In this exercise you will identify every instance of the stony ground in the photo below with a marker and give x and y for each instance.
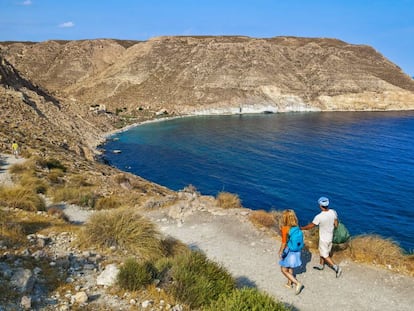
(250, 254)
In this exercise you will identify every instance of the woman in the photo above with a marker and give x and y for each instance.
(289, 258)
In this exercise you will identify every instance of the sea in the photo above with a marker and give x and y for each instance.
(362, 161)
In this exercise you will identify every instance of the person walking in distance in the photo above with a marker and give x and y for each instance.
(289, 258)
(15, 149)
(327, 220)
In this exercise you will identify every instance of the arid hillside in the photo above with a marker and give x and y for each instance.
(215, 74)
(43, 122)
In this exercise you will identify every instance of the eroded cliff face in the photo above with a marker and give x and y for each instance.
(216, 74)
(47, 88)
(37, 120)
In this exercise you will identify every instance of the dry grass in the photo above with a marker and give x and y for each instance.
(228, 200)
(78, 180)
(125, 230)
(262, 218)
(11, 232)
(21, 197)
(83, 196)
(376, 250)
(30, 181)
(19, 168)
(57, 213)
(56, 175)
(110, 202)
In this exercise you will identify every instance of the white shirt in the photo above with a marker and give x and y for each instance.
(325, 220)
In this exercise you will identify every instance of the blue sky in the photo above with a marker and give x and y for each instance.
(386, 25)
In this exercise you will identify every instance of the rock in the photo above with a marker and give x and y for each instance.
(108, 276)
(5, 270)
(146, 303)
(26, 302)
(23, 280)
(81, 297)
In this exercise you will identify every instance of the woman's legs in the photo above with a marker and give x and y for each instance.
(288, 273)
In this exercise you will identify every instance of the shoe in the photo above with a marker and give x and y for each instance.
(288, 285)
(299, 288)
(338, 272)
(320, 267)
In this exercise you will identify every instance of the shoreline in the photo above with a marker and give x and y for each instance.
(167, 118)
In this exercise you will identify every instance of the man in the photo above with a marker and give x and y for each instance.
(327, 220)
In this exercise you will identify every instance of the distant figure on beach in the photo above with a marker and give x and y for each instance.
(327, 220)
(15, 149)
(289, 258)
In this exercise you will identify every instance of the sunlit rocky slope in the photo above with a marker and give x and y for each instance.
(48, 88)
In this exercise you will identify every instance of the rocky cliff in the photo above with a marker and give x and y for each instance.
(216, 74)
(48, 88)
(34, 118)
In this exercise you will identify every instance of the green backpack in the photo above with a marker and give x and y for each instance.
(340, 234)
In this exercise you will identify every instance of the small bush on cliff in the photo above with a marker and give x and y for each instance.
(197, 281)
(246, 299)
(228, 200)
(134, 275)
(377, 250)
(263, 218)
(124, 229)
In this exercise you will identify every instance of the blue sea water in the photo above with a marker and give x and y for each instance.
(362, 161)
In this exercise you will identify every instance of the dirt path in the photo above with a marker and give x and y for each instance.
(7, 160)
(250, 255)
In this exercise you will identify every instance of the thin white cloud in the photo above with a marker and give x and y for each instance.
(67, 25)
(27, 2)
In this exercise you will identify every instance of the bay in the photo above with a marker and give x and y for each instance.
(362, 161)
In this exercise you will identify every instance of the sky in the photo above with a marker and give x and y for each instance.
(386, 25)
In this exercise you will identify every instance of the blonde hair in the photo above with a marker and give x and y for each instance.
(288, 218)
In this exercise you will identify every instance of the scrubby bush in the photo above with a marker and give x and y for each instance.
(78, 180)
(134, 275)
(19, 168)
(172, 247)
(246, 299)
(75, 195)
(263, 218)
(34, 183)
(124, 229)
(11, 233)
(55, 176)
(110, 202)
(377, 250)
(57, 213)
(51, 164)
(228, 200)
(21, 197)
(197, 281)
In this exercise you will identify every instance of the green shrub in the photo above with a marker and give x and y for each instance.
(246, 299)
(134, 275)
(197, 281)
(124, 229)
